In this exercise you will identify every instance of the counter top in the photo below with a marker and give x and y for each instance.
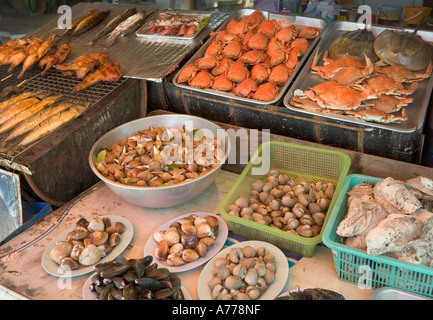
(23, 277)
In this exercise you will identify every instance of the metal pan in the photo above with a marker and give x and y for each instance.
(140, 58)
(416, 110)
(197, 14)
(299, 21)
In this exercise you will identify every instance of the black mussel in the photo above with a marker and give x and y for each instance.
(146, 295)
(107, 281)
(130, 292)
(106, 265)
(179, 294)
(158, 274)
(166, 283)
(175, 280)
(149, 283)
(97, 279)
(164, 293)
(117, 294)
(140, 268)
(130, 276)
(98, 289)
(105, 292)
(115, 271)
(119, 282)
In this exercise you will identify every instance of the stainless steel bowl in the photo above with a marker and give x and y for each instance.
(163, 196)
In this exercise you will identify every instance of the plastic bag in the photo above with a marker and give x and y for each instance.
(324, 9)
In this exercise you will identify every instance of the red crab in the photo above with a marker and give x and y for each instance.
(202, 80)
(245, 88)
(266, 92)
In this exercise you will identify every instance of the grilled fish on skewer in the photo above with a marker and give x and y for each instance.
(90, 22)
(109, 71)
(84, 64)
(13, 109)
(126, 27)
(114, 23)
(16, 98)
(21, 116)
(34, 120)
(51, 60)
(49, 125)
(69, 31)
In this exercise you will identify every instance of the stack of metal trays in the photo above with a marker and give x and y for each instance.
(416, 111)
(149, 58)
(299, 21)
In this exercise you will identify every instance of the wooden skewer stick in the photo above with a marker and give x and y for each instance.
(22, 82)
(6, 77)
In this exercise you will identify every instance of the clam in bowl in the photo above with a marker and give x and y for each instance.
(182, 159)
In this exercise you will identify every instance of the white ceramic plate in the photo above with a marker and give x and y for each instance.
(89, 295)
(220, 240)
(272, 291)
(54, 269)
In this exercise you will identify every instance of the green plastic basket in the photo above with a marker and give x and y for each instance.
(300, 163)
(357, 267)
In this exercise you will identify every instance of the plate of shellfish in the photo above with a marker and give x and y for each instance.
(77, 249)
(186, 242)
(248, 270)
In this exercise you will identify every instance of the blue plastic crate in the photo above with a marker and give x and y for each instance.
(356, 266)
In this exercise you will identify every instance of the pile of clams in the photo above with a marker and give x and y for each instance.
(135, 279)
(160, 156)
(243, 274)
(87, 243)
(186, 239)
(282, 203)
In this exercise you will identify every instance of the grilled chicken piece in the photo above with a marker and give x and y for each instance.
(51, 60)
(393, 233)
(396, 194)
(84, 64)
(109, 71)
(21, 55)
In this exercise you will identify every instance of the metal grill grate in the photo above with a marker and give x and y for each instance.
(54, 83)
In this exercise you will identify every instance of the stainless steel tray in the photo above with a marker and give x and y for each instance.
(149, 59)
(141, 32)
(299, 21)
(395, 294)
(416, 111)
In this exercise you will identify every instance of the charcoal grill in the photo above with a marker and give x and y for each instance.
(44, 164)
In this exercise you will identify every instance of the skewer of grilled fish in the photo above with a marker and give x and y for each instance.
(69, 31)
(17, 107)
(131, 24)
(49, 125)
(26, 113)
(114, 23)
(34, 120)
(90, 22)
